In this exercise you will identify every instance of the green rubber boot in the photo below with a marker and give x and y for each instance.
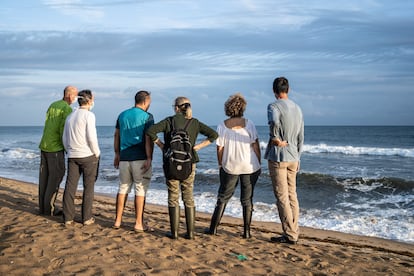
(190, 221)
(174, 213)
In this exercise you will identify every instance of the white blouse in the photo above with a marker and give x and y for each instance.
(238, 154)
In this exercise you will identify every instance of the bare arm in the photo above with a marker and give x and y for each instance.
(159, 143)
(220, 155)
(149, 150)
(279, 143)
(116, 148)
(201, 145)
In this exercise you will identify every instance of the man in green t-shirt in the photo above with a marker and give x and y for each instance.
(52, 162)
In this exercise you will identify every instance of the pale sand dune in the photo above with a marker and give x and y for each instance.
(36, 245)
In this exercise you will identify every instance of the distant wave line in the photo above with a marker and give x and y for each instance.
(351, 150)
(16, 153)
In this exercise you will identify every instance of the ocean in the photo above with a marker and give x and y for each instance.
(353, 179)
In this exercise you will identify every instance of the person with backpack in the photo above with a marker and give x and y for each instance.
(238, 155)
(179, 159)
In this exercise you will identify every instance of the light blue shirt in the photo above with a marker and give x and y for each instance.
(286, 123)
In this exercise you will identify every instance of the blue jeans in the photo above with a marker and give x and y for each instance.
(228, 183)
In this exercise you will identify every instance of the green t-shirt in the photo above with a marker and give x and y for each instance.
(54, 124)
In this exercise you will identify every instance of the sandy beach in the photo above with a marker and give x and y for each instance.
(38, 245)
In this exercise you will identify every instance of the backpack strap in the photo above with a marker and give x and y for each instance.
(187, 123)
(171, 121)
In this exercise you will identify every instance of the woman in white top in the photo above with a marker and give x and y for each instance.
(238, 155)
(81, 144)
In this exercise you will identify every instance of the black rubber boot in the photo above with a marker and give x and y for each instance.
(190, 219)
(247, 219)
(216, 218)
(174, 213)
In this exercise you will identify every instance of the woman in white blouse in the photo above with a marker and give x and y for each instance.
(238, 155)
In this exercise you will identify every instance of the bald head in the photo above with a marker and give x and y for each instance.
(69, 94)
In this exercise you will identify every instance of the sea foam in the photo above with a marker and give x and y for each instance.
(352, 150)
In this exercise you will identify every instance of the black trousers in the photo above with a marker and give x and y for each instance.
(228, 184)
(51, 173)
(88, 168)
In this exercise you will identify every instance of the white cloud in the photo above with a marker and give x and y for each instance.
(332, 52)
(76, 9)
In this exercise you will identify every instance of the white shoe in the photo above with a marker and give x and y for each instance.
(89, 221)
(69, 223)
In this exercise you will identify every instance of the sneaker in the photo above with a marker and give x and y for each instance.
(69, 222)
(89, 221)
(282, 239)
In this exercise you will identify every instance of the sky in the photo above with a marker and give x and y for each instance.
(348, 62)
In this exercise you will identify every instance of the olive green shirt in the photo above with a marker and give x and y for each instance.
(193, 129)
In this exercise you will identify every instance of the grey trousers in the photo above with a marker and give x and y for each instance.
(51, 172)
(88, 168)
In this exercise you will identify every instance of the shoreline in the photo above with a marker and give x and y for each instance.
(42, 245)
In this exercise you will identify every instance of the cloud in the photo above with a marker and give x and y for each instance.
(76, 9)
(151, 16)
(338, 58)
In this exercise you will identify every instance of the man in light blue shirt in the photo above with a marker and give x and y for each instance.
(286, 131)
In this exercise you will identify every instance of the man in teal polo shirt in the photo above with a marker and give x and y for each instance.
(52, 162)
(133, 157)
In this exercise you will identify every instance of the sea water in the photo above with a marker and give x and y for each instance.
(353, 179)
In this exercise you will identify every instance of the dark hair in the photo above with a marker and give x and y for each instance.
(84, 97)
(235, 105)
(141, 96)
(280, 85)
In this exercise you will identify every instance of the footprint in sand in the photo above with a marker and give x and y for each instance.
(56, 263)
(120, 258)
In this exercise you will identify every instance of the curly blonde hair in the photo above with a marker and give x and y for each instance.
(235, 105)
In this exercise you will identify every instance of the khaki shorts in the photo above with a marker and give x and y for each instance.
(131, 173)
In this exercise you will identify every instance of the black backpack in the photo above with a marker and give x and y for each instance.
(178, 156)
